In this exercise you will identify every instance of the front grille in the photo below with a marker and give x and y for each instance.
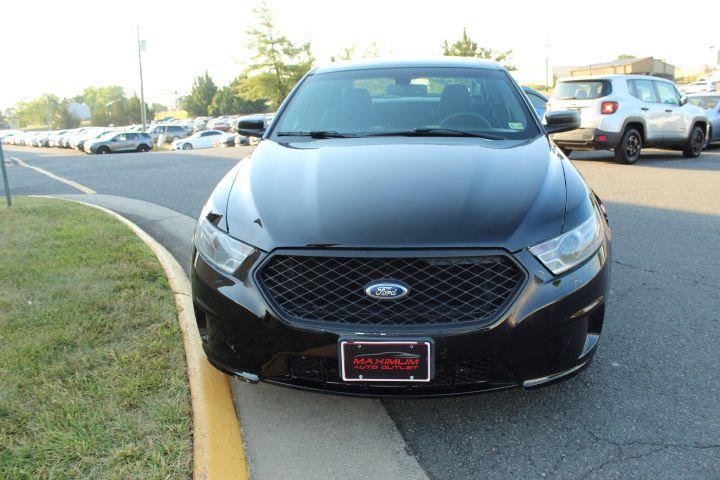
(308, 370)
(446, 290)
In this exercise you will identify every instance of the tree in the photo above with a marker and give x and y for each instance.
(348, 53)
(108, 105)
(3, 122)
(38, 112)
(467, 47)
(278, 63)
(203, 91)
(156, 108)
(372, 51)
(229, 101)
(64, 118)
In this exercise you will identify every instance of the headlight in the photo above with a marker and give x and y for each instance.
(219, 248)
(572, 248)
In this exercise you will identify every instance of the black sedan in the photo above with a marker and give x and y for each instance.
(403, 228)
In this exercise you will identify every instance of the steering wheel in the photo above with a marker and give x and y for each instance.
(446, 121)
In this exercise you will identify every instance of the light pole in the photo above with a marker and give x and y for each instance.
(547, 64)
(6, 183)
(141, 47)
(47, 111)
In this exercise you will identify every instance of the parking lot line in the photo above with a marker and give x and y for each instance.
(66, 181)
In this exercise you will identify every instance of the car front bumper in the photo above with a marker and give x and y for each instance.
(587, 139)
(549, 333)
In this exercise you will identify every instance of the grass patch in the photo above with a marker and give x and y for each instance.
(92, 368)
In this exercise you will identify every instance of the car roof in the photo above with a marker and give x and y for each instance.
(612, 77)
(457, 62)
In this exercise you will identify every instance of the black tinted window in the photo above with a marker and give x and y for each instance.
(537, 102)
(383, 101)
(706, 103)
(131, 136)
(582, 89)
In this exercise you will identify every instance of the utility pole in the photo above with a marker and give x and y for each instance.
(6, 184)
(141, 47)
(547, 64)
(47, 111)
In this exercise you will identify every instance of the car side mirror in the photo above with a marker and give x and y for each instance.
(683, 99)
(251, 127)
(561, 121)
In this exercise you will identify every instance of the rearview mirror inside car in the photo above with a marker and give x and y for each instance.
(561, 121)
(251, 127)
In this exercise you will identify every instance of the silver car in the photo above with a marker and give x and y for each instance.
(124, 141)
(171, 132)
(626, 113)
(710, 102)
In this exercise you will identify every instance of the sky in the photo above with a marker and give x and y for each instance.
(62, 47)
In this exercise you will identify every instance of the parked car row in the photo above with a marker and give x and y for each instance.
(86, 139)
(131, 138)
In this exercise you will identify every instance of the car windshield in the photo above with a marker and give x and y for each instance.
(580, 90)
(707, 103)
(408, 101)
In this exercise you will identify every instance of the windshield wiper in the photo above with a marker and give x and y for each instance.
(317, 134)
(435, 132)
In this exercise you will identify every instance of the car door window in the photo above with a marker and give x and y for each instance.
(536, 101)
(131, 136)
(119, 138)
(643, 90)
(667, 94)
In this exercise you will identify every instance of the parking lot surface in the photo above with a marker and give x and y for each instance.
(649, 405)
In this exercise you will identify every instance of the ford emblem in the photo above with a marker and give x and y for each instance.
(387, 290)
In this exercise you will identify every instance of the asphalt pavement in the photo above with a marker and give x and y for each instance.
(649, 405)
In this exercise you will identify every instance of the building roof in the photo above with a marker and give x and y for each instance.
(616, 63)
(628, 76)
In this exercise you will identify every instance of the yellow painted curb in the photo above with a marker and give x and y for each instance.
(218, 449)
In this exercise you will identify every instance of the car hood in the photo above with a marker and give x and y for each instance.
(398, 192)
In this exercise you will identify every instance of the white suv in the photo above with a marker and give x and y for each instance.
(625, 113)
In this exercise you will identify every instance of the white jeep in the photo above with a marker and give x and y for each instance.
(626, 113)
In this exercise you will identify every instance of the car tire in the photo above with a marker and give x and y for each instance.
(175, 139)
(630, 147)
(187, 146)
(103, 150)
(143, 148)
(695, 144)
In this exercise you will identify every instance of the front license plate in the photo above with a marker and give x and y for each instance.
(381, 361)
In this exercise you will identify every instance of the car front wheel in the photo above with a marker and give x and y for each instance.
(630, 147)
(103, 150)
(695, 144)
(187, 146)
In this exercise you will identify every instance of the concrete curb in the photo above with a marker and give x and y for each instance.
(218, 449)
